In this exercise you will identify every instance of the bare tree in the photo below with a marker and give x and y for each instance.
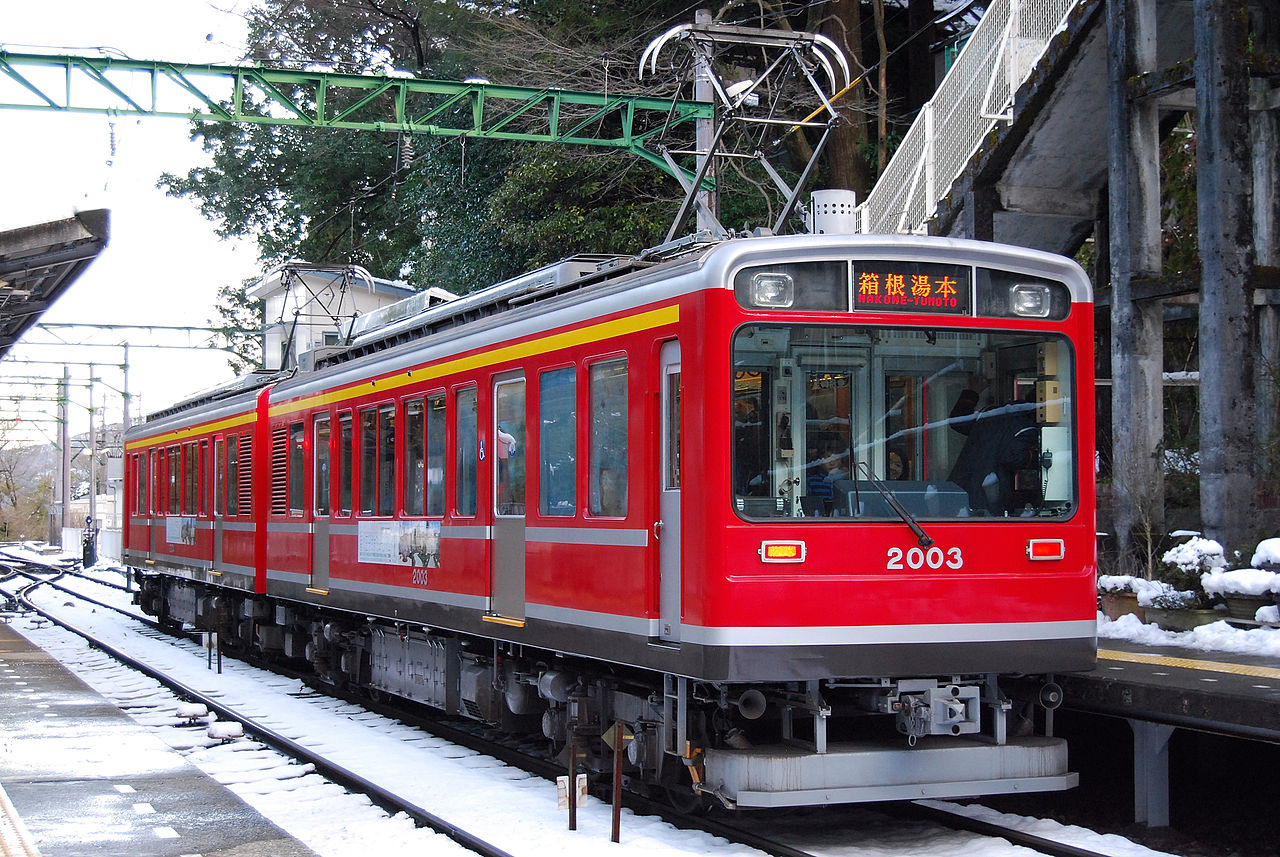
(26, 483)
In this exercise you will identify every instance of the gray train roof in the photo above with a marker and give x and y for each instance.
(584, 287)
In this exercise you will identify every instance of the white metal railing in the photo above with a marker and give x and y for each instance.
(976, 93)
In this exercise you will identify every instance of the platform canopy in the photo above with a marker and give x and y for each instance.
(38, 263)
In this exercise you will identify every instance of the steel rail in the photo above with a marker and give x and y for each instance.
(1050, 847)
(339, 774)
(529, 763)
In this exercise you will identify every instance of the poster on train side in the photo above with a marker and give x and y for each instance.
(408, 543)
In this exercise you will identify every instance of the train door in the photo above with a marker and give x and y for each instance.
(153, 531)
(507, 441)
(219, 497)
(667, 530)
(321, 485)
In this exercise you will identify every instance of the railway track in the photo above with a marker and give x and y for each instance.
(772, 833)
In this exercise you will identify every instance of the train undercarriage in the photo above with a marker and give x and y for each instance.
(762, 745)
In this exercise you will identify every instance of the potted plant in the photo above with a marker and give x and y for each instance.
(1118, 596)
(1181, 602)
(1244, 590)
(1181, 609)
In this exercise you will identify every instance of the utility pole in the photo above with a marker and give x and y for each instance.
(93, 460)
(704, 134)
(124, 394)
(64, 421)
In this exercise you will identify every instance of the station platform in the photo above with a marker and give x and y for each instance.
(79, 777)
(1229, 694)
(1159, 690)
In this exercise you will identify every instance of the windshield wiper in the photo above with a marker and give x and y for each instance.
(922, 538)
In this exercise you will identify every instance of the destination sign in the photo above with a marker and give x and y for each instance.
(912, 287)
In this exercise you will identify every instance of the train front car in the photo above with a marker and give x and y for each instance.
(788, 507)
(893, 507)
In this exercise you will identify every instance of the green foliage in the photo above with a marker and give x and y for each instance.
(551, 206)
(453, 212)
(444, 202)
(1178, 204)
(240, 327)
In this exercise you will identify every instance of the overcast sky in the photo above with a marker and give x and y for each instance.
(163, 265)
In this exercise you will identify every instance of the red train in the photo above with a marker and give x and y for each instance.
(797, 571)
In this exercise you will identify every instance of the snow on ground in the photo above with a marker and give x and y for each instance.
(1217, 637)
(511, 809)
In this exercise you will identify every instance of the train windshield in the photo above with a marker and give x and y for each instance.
(951, 423)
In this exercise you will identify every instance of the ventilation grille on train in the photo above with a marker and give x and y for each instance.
(244, 487)
(280, 470)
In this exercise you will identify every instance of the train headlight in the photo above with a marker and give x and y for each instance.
(1032, 300)
(773, 290)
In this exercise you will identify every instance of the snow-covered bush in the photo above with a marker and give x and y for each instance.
(1197, 555)
(1182, 567)
(1240, 581)
(1267, 555)
(1177, 599)
(1146, 590)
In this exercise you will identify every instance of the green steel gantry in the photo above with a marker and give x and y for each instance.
(325, 99)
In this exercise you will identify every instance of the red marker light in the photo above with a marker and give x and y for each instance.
(1046, 549)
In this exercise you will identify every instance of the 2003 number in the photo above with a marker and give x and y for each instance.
(917, 558)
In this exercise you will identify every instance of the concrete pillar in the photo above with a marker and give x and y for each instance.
(1151, 772)
(977, 217)
(1228, 326)
(1264, 127)
(1137, 335)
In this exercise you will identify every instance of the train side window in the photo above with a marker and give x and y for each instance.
(508, 448)
(297, 468)
(203, 473)
(368, 460)
(157, 460)
(607, 479)
(345, 455)
(321, 469)
(558, 442)
(435, 454)
(377, 460)
(465, 453)
(414, 457)
(386, 459)
(219, 476)
(233, 475)
(194, 485)
(175, 476)
(143, 480)
(188, 478)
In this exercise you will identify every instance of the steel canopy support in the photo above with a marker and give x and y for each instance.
(323, 99)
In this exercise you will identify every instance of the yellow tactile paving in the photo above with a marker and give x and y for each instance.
(15, 841)
(1189, 664)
